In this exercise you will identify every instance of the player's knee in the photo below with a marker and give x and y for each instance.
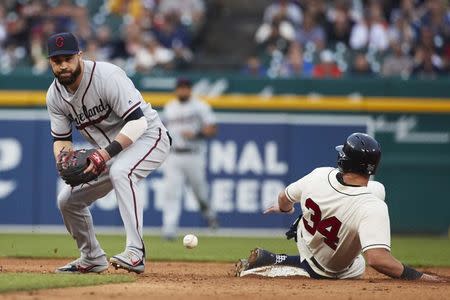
(118, 172)
(63, 200)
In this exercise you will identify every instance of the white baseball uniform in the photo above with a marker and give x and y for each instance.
(187, 162)
(339, 221)
(103, 100)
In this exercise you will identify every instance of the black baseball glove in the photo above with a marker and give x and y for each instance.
(72, 164)
(292, 232)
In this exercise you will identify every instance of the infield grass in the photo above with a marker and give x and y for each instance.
(416, 251)
(33, 281)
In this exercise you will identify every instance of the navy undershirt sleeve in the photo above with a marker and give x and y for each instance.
(135, 115)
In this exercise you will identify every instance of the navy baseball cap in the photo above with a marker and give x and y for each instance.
(184, 82)
(64, 43)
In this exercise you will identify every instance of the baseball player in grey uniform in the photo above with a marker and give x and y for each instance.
(104, 106)
(344, 214)
(190, 122)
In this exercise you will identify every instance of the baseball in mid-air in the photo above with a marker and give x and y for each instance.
(190, 241)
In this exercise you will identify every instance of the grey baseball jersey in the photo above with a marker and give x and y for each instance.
(103, 100)
(338, 222)
(105, 97)
(187, 163)
(189, 116)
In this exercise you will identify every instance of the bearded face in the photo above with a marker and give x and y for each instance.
(183, 93)
(66, 68)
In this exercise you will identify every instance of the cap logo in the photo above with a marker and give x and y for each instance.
(59, 41)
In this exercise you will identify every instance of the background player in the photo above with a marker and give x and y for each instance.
(190, 122)
(103, 104)
(341, 218)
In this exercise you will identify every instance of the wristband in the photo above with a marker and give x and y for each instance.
(114, 148)
(410, 273)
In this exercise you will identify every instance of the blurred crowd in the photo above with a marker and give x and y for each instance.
(302, 38)
(138, 35)
(329, 39)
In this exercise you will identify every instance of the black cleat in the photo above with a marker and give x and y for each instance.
(240, 266)
(258, 258)
(261, 258)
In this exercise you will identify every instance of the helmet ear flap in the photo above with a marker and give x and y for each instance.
(340, 164)
(344, 164)
(341, 158)
(371, 169)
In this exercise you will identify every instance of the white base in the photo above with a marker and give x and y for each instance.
(275, 271)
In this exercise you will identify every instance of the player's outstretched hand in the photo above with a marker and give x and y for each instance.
(276, 209)
(432, 278)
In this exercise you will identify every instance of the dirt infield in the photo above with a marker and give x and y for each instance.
(176, 280)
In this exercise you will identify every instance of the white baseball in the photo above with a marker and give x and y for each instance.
(190, 241)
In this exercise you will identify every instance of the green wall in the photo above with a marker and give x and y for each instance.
(415, 170)
(416, 147)
(392, 87)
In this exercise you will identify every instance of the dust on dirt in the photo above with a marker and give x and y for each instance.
(182, 280)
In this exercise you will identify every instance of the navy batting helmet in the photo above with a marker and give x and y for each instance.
(361, 154)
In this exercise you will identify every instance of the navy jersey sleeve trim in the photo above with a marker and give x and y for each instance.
(129, 111)
(135, 115)
(61, 135)
(374, 246)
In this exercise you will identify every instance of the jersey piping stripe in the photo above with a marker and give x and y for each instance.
(61, 135)
(75, 113)
(328, 177)
(376, 245)
(89, 84)
(95, 121)
(129, 111)
(90, 136)
(82, 103)
(102, 132)
(131, 182)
